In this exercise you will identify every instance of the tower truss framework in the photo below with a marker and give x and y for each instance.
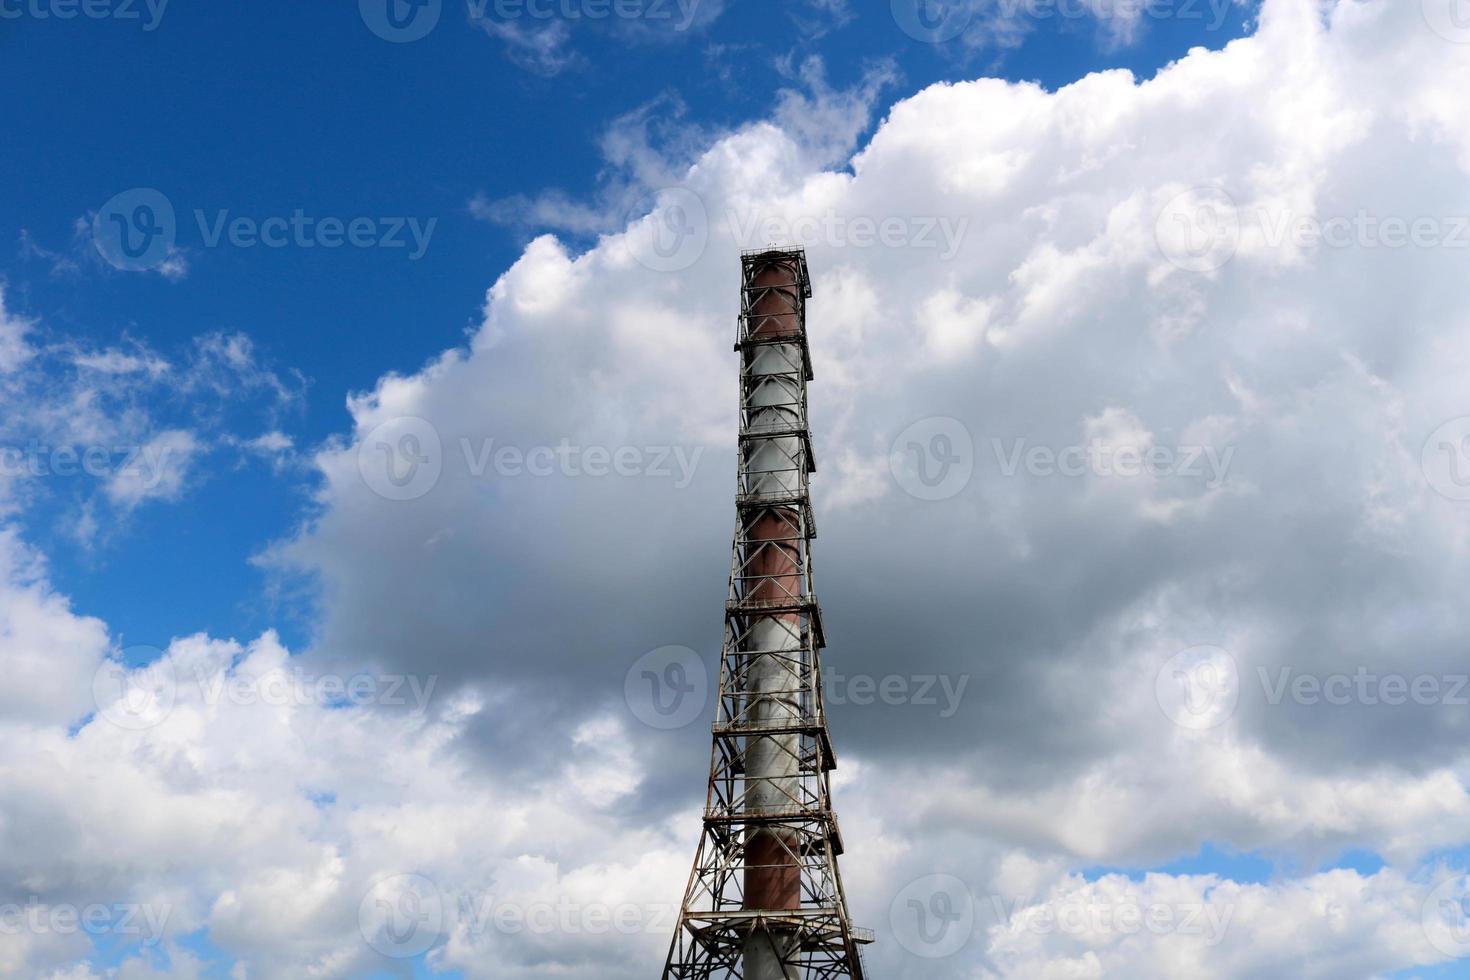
(765, 899)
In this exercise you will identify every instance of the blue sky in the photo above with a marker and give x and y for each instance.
(479, 137)
(288, 105)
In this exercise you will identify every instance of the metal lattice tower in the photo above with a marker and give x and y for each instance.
(765, 900)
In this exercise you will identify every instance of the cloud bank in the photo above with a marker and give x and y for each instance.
(1169, 410)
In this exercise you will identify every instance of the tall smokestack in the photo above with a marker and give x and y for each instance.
(765, 900)
(774, 414)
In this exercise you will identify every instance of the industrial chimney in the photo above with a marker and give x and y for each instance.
(765, 900)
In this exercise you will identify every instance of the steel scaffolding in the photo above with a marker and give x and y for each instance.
(765, 899)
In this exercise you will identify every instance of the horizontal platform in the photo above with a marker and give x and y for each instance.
(768, 430)
(822, 930)
(786, 253)
(797, 500)
(798, 339)
(823, 924)
(812, 728)
(803, 434)
(784, 606)
(719, 816)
